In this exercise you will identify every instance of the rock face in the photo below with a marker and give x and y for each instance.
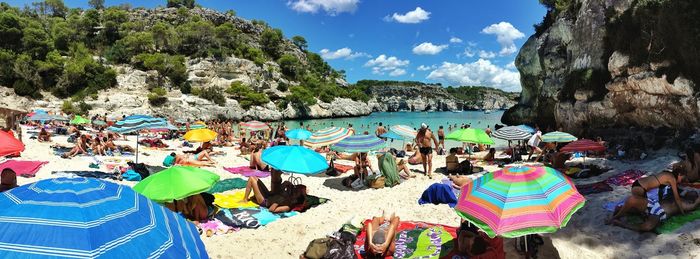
(412, 98)
(574, 80)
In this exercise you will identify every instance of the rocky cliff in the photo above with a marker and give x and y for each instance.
(412, 98)
(612, 63)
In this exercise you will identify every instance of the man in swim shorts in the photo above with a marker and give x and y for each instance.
(425, 138)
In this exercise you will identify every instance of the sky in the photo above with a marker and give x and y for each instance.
(453, 42)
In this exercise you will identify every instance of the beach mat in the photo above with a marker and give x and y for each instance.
(625, 178)
(233, 201)
(92, 174)
(415, 240)
(669, 226)
(22, 167)
(247, 171)
(227, 185)
(591, 188)
(250, 217)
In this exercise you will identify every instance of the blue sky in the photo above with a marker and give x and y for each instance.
(453, 42)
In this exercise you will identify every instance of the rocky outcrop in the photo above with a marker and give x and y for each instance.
(412, 98)
(574, 78)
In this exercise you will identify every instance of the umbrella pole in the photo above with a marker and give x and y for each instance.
(526, 254)
(137, 147)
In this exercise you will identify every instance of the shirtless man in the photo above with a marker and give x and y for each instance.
(423, 138)
(659, 211)
(441, 137)
(380, 130)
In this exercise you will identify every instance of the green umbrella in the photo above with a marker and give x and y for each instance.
(79, 120)
(176, 183)
(470, 135)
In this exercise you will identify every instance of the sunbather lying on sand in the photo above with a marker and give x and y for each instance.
(186, 159)
(281, 197)
(655, 213)
(380, 236)
(458, 181)
(44, 135)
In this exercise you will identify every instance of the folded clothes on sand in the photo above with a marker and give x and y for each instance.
(92, 174)
(22, 167)
(247, 171)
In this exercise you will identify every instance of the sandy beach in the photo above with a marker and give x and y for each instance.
(586, 236)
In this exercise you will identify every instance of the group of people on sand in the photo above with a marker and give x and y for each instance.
(99, 143)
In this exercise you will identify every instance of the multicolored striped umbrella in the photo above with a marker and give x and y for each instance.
(359, 144)
(137, 122)
(327, 137)
(511, 133)
(583, 145)
(470, 135)
(519, 200)
(558, 136)
(404, 130)
(91, 218)
(254, 125)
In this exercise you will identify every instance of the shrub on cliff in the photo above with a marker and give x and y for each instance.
(246, 96)
(172, 67)
(213, 94)
(157, 96)
(290, 65)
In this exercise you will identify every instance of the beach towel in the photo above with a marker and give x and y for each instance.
(232, 201)
(387, 166)
(415, 240)
(592, 188)
(228, 184)
(456, 191)
(668, 226)
(342, 168)
(92, 174)
(438, 193)
(626, 178)
(311, 201)
(247, 171)
(22, 167)
(216, 227)
(250, 217)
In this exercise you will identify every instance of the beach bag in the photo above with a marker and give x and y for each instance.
(441, 152)
(140, 168)
(376, 181)
(465, 167)
(131, 175)
(318, 248)
(388, 168)
(331, 171)
(169, 161)
(342, 248)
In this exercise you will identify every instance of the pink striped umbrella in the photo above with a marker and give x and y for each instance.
(583, 145)
(254, 125)
(519, 200)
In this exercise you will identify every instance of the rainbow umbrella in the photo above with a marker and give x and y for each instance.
(470, 135)
(559, 137)
(200, 135)
(359, 144)
(404, 130)
(255, 125)
(519, 200)
(327, 137)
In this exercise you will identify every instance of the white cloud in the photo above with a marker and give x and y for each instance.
(455, 40)
(331, 7)
(416, 16)
(506, 34)
(511, 65)
(426, 68)
(469, 52)
(487, 54)
(345, 53)
(382, 64)
(480, 72)
(397, 72)
(427, 48)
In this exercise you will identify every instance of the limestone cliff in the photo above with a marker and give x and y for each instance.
(612, 63)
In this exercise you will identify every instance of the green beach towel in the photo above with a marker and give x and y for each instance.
(228, 184)
(675, 222)
(387, 165)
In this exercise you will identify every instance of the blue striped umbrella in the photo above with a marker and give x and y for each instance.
(559, 137)
(135, 123)
(294, 159)
(41, 117)
(359, 144)
(300, 134)
(90, 218)
(392, 135)
(327, 137)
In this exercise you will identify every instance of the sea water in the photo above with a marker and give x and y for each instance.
(477, 119)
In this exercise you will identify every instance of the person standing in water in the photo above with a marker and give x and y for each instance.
(380, 130)
(424, 138)
(441, 137)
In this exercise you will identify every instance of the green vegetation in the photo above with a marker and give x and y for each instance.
(157, 96)
(82, 108)
(181, 3)
(213, 94)
(246, 96)
(172, 67)
(475, 94)
(585, 79)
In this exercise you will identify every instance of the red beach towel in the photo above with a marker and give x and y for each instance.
(23, 168)
(247, 171)
(342, 168)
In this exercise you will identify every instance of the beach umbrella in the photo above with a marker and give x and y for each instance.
(299, 134)
(294, 159)
(200, 135)
(168, 127)
(583, 145)
(91, 218)
(60, 118)
(41, 117)
(404, 130)
(175, 183)
(470, 135)
(392, 135)
(99, 123)
(511, 133)
(200, 123)
(558, 136)
(519, 200)
(135, 123)
(254, 125)
(9, 145)
(194, 127)
(359, 144)
(78, 120)
(327, 137)
(527, 128)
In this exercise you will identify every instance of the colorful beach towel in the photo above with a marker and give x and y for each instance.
(216, 227)
(92, 174)
(232, 201)
(592, 188)
(22, 167)
(250, 217)
(247, 171)
(416, 240)
(438, 193)
(227, 185)
(626, 178)
(342, 168)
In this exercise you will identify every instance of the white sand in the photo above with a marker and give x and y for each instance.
(585, 237)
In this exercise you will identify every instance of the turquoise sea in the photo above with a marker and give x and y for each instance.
(477, 119)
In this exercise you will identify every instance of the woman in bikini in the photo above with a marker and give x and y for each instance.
(640, 187)
(380, 236)
(281, 197)
(256, 159)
